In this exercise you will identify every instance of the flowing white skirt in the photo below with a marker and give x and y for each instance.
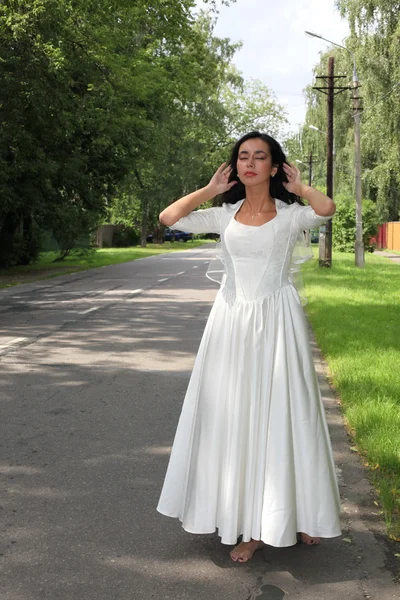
(252, 454)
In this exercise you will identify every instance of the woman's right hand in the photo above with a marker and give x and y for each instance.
(219, 182)
(180, 208)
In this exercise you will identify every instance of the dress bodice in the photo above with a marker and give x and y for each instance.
(256, 258)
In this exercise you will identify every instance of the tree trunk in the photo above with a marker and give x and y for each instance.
(8, 251)
(27, 234)
(144, 223)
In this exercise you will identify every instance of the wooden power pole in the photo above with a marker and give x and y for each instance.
(359, 245)
(325, 236)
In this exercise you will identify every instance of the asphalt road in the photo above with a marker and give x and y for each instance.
(93, 371)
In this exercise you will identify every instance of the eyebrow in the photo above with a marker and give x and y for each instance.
(256, 152)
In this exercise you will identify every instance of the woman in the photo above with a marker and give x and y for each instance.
(252, 454)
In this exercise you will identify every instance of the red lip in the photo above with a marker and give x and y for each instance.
(250, 173)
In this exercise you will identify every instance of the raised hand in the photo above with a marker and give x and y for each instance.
(219, 181)
(294, 185)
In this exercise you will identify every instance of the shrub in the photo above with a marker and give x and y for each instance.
(72, 225)
(20, 245)
(344, 224)
(125, 236)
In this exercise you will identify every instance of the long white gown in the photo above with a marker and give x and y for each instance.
(252, 453)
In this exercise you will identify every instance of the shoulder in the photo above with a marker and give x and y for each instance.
(230, 208)
(288, 211)
(285, 207)
(227, 211)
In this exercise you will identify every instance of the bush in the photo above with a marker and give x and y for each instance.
(344, 224)
(124, 237)
(72, 225)
(20, 246)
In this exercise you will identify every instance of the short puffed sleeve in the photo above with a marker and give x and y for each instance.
(207, 220)
(305, 217)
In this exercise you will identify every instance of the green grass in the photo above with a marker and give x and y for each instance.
(355, 317)
(46, 268)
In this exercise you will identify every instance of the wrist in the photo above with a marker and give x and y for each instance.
(210, 191)
(304, 191)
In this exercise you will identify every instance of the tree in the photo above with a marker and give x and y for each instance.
(90, 82)
(344, 229)
(375, 40)
(176, 155)
(200, 139)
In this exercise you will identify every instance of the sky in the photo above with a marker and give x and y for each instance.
(275, 48)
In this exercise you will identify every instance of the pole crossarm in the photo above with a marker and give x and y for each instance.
(329, 80)
(336, 90)
(327, 76)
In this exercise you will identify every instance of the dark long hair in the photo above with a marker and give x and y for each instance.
(276, 189)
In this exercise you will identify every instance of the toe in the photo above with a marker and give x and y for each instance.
(314, 541)
(307, 539)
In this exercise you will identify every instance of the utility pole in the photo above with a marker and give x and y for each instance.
(310, 173)
(326, 259)
(359, 245)
(309, 165)
(325, 235)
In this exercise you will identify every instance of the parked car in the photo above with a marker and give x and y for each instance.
(180, 236)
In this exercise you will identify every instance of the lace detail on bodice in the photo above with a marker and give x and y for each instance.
(258, 258)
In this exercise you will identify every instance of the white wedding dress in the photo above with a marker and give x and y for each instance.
(252, 453)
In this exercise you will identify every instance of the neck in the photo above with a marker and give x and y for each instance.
(259, 199)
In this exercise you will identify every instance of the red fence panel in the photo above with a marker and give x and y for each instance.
(382, 236)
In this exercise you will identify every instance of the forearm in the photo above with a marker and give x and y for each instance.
(182, 207)
(322, 204)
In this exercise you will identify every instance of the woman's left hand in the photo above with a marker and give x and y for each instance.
(294, 184)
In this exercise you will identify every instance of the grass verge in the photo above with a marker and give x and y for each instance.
(46, 268)
(355, 316)
(392, 251)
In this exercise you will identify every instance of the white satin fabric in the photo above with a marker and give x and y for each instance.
(252, 453)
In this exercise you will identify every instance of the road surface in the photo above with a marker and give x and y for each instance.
(94, 367)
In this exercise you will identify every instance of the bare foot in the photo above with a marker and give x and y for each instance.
(310, 541)
(245, 550)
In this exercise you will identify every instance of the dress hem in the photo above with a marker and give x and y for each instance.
(216, 530)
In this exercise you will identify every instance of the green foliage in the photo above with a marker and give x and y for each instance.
(374, 41)
(344, 224)
(251, 106)
(90, 83)
(71, 225)
(192, 138)
(117, 109)
(23, 245)
(125, 237)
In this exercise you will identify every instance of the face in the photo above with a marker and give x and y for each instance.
(254, 164)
